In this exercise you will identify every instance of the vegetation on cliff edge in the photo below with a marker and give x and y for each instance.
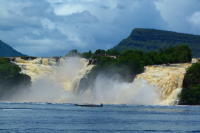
(11, 80)
(131, 62)
(148, 40)
(190, 94)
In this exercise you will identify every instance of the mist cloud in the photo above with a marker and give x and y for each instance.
(113, 91)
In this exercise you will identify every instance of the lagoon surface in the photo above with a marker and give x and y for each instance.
(46, 117)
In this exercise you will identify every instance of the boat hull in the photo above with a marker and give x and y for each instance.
(89, 105)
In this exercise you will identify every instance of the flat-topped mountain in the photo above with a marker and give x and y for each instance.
(151, 39)
(8, 51)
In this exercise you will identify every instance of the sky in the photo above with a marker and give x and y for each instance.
(46, 28)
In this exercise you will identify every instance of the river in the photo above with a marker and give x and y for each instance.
(48, 117)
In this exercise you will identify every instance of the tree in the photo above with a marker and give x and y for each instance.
(99, 52)
(87, 54)
(113, 52)
(74, 51)
(3, 60)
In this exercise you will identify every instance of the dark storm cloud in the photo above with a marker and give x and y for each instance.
(15, 21)
(145, 15)
(54, 27)
(58, 3)
(54, 34)
(39, 10)
(119, 6)
(104, 7)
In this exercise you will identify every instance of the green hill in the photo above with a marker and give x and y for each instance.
(151, 39)
(8, 51)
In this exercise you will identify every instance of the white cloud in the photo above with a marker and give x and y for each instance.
(68, 9)
(46, 23)
(176, 12)
(194, 19)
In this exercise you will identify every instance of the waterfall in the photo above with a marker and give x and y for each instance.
(168, 80)
(158, 85)
(66, 71)
(59, 79)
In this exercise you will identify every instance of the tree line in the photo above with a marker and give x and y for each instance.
(11, 80)
(190, 94)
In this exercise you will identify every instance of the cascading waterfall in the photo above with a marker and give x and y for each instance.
(51, 78)
(168, 80)
(58, 80)
(67, 71)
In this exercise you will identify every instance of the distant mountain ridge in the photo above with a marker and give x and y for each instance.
(8, 51)
(151, 40)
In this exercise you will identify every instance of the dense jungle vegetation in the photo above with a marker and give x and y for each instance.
(131, 62)
(190, 94)
(7, 51)
(148, 40)
(11, 80)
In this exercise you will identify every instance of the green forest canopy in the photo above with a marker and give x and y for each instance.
(11, 80)
(148, 40)
(190, 94)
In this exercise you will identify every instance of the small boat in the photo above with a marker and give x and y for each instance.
(89, 105)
